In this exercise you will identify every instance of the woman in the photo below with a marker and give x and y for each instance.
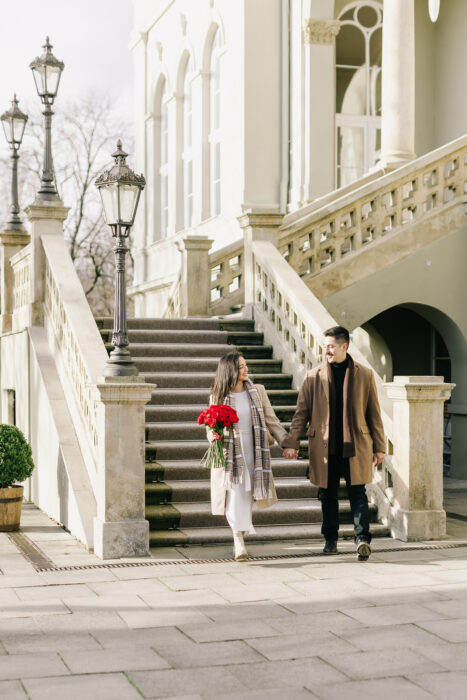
(248, 475)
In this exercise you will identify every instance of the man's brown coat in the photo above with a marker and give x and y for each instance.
(366, 427)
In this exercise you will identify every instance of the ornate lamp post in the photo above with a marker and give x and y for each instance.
(14, 123)
(120, 189)
(47, 70)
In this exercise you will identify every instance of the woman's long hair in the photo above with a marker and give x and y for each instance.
(226, 376)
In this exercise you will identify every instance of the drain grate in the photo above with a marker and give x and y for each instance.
(224, 560)
(31, 551)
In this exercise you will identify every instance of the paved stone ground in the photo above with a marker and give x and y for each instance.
(292, 628)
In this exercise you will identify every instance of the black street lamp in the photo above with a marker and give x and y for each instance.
(120, 189)
(47, 70)
(14, 123)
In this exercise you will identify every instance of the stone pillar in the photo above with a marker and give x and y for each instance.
(398, 84)
(195, 282)
(45, 217)
(319, 88)
(417, 469)
(256, 227)
(120, 528)
(11, 242)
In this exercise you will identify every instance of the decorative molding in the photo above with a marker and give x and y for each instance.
(317, 31)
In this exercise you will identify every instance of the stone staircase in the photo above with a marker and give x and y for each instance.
(180, 356)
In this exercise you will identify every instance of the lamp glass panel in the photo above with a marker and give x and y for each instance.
(18, 129)
(7, 129)
(52, 79)
(128, 202)
(109, 196)
(39, 78)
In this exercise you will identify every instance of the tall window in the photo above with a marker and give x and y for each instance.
(358, 90)
(187, 153)
(214, 137)
(164, 164)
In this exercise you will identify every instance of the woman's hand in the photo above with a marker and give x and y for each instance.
(212, 436)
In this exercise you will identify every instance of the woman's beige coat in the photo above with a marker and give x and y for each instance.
(366, 428)
(218, 493)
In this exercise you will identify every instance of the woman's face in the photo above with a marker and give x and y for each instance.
(242, 370)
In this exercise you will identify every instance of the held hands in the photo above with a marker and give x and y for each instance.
(377, 458)
(290, 453)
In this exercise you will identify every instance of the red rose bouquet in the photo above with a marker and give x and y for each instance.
(217, 418)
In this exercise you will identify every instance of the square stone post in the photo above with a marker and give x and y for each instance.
(11, 242)
(195, 282)
(45, 217)
(120, 528)
(256, 227)
(417, 469)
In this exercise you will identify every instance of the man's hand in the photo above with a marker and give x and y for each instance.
(290, 453)
(378, 458)
(212, 436)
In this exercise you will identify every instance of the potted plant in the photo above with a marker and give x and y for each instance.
(15, 466)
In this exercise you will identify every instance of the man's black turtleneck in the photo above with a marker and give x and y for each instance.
(338, 369)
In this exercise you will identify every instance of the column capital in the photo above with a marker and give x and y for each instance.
(194, 243)
(320, 31)
(252, 220)
(419, 388)
(42, 210)
(13, 237)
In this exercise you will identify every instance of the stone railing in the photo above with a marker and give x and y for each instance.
(174, 304)
(21, 265)
(324, 233)
(226, 278)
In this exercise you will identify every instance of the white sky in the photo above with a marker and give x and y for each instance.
(90, 36)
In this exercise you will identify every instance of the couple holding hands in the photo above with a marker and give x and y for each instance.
(339, 404)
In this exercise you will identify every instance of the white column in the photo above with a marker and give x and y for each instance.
(256, 227)
(199, 115)
(172, 118)
(398, 84)
(417, 469)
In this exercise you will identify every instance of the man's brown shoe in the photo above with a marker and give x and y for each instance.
(363, 550)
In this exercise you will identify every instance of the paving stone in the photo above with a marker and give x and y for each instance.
(411, 596)
(451, 630)
(389, 637)
(60, 592)
(300, 646)
(240, 593)
(182, 599)
(34, 608)
(451, 656)
(446, 686)
(333, 621)
(269, 694)
(105, 687)
(190, 654)
(372, 664)
(124, 588)
(240, 611)
(391, 614)
(146, 572)
(228, 631)
(112, 660)
(40, 665)
(155, 637)
(161, 684)
(384, 689)
(136, 619)
(287, 674)
(105, 603)
(34, 643)
(269, 573)
(198, 581)
(12, 690)
(449, 608)
(81, 621)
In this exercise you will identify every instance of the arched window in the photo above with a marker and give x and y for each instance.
(214, 137)
(164, 163)
(187, 151)
(358, 90)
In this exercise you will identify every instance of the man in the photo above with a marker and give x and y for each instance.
(338, 400)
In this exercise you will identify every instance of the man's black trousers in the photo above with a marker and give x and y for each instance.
(338, 468)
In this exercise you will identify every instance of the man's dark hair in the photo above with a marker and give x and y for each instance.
(340, 333)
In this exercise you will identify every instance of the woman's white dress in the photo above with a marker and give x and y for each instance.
(239, 499)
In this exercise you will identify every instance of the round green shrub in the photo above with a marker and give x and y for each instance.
(15, 456)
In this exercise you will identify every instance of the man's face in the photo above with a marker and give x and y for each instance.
(335, 352)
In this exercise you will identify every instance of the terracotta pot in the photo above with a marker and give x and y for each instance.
(10, 508)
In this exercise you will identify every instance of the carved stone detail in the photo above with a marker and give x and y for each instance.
(318, 31)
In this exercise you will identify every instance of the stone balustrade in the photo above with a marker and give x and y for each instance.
(21, 266)
(174, 308)
(226, 268)
(321, 235)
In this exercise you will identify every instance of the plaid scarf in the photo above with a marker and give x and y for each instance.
(262, 477)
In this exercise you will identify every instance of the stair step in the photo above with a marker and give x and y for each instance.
(200, 395)
(173, 431)
(285, 511)
(191, 449)
(180, 413)
(264, 533)
(199, 365)
(202, 323)
(178, 380)
(173, 470)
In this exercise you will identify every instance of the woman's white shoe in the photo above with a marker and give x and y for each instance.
(240, 552)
